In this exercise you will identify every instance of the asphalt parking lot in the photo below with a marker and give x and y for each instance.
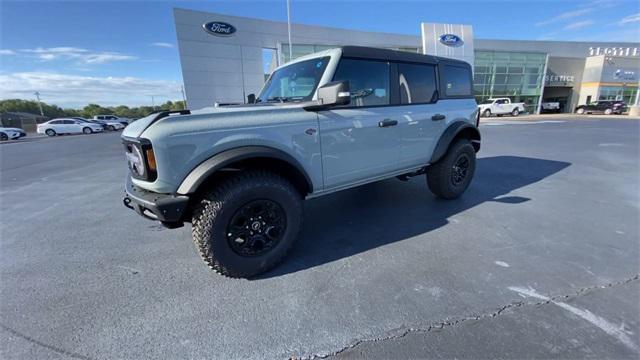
(539, 259)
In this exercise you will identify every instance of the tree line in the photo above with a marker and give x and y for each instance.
(89, 111)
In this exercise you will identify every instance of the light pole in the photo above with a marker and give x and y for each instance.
(184, 98)
(289, 29)
(37, 94)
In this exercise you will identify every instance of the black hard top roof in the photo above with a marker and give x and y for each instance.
(395, 55)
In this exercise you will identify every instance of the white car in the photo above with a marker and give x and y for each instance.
(110, 125)
(121, 120)
(68, 126)
(10, 133)
(500, 106)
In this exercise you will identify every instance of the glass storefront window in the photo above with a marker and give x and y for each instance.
(624, 93)
(516, 75)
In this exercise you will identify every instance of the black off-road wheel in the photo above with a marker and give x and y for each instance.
(451, 175)
(247, 223)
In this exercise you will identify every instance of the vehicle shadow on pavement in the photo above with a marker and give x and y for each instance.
(360, 219)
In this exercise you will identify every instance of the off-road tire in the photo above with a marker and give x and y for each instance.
(50, 132)
(217, 206)
(486, 113)
(440, 174)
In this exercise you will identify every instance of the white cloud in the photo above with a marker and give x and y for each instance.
(630, 19)
(77, 91)
(578, 25)
(79, 55)
(7, 52)
(162, 44)
(565, 16)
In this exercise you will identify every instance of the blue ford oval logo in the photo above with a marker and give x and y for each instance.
(219, 28)
(451, 40)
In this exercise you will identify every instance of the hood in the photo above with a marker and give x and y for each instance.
(11, 129)
(136, 128)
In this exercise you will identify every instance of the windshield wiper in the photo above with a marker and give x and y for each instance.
(278, 98)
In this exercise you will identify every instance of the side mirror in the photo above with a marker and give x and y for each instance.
(332, 94)
(251, 99)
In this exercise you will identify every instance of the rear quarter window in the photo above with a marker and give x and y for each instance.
(456, 80)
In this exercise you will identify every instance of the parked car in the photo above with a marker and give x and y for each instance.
(550, 107)
(239, 173)
(110, 125)
(606, 107)
(121, 120)
(11, 133)
(68, 126)
(500, 106)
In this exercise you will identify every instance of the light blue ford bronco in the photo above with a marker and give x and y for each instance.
(322, 123)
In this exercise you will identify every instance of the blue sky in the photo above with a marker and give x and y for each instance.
(122, 52)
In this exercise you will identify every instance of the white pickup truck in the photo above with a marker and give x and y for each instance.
(500, 106)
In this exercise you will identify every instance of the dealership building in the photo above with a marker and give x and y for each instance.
(225, 58)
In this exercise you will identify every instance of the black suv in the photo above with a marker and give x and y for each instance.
(606, 107)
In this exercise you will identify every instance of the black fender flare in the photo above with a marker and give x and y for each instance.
(201, 172)
(450, 134)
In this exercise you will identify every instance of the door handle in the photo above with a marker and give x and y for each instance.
(387, 122)
(437, 117)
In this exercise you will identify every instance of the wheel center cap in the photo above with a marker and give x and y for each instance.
(255, 226)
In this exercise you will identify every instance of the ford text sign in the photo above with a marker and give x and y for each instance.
(451, 40)
(219, 28)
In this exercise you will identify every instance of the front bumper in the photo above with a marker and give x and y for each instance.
(166, 208)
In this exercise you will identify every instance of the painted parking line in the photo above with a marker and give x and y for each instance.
(507, 122)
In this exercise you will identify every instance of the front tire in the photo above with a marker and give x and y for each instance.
(515, 112)
(487, 113)
(580, 111)
(608, 111)
(247, 223)
(87, 130)
(450, 176)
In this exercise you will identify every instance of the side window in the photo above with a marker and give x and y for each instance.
(56, 122)
(417, 83)
(368, 81)
(68, 122)
(456, 80)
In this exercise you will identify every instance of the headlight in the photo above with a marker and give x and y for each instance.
(136, 163)
(141, 159)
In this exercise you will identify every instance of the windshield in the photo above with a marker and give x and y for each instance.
(295, 82)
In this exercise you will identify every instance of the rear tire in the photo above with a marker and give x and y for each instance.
(237, 239)
(450, 176)
(87, 130)
(3, 136)
(487, 113)
(50, 132)
(608, 112)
